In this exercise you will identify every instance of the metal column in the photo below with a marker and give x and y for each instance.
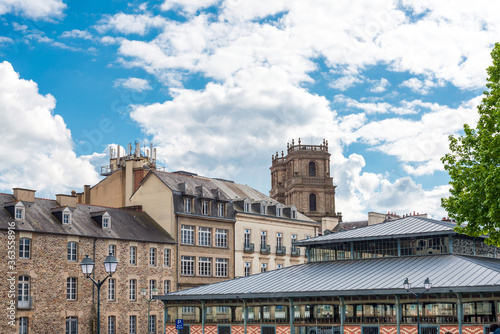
(291, 314)
(342, 315)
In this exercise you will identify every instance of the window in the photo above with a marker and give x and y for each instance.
(166, 286)
(23, 325)
(294, 214)
(132, 324)
(152, 287)
(220, 237)
(187, 234)
(187, 309)
(166, 257)
(132, 289)
(19, 213)
(72, 251)
(152, 324)
(280, 266)
(71, 325)
(279, 241)
(263, 267)
(112, 250)
(187, 265)
(152, 256)
(23, 292)
(221, 267)
(111, 325)
(312, 169)
(205, 266)
(248, 268)
(111, 289)
(204, 208)
(187, 204)
(263, 209)
(205, 236)
(221, 210)
(248, 234)
(279, 212)
(66, 218)
(263, 239)
(246, 207)
(133, 255)
(24, 248)
(71, 284)
(312, 202)
(105, 222)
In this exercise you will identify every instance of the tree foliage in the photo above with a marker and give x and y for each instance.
(474, 166)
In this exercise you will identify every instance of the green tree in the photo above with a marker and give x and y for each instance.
(474, 166)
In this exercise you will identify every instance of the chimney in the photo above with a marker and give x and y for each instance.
(150, 153)
(86, 194)
(66, 200)
(137, 149)
(117, 155)
(26, 195)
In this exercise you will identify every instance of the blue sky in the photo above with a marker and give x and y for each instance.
(220, 86)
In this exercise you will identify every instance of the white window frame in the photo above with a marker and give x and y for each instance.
(187, 265)
(204, 207)
(279, 212)
(187, 234)
(152, 256)
(221, 238)
(166, 286)
(111, 324)
(263, 239)
(106, 220)
(23, 325)
(23, 290)
(279, 240)
(221, 267)
(204, 266)
(204, 236)
(112, 250)
(19, 211)
(152, 285)
(263, 267)
(188, 204)
(132, 324)
(132, 289)
(71, 325)
(72, 251)
(152, 324)
(221, 210)
(71, 288)
(66, 218)
(25, 248)
(248, 269)
(133, 255)
(166, 257)
(111, 289)
(248, 237)
(246, 207)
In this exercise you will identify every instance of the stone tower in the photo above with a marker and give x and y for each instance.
(302, 178)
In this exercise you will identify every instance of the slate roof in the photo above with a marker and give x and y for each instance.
(458, 273)
(414, 226)
(345, 226)
(125, 224)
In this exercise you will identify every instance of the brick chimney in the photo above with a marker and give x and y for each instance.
(26, 195)
(66, 200)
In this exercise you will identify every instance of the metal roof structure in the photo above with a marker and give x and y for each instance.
(125, 224)
(407, 226)
(457, 273)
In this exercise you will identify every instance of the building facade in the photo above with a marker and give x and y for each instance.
(302, 178)
(48, 239)
(356, 282)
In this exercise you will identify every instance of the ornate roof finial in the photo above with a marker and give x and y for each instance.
(282, 155)
(293, 142)
(299, 141)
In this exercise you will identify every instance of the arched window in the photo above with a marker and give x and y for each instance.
(312, 169)
(312, 202)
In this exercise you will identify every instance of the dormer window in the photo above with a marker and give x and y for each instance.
(279, 212)
(19, 212)
(204, 208)
(187, 204)
(247, 207)
(294, 214)
(105, 222)
(102, 218)
(263, 209)
(66, 217)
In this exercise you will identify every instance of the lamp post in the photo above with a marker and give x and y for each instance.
(427, 287)
(144, 293)
(110, 264)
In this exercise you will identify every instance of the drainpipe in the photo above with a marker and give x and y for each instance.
(177, 252)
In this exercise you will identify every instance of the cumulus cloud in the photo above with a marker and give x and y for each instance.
(135, 84)
(380, 86)
(130, 23)
(75, 33)
(33, 9)
(188, 6)
(39, 140)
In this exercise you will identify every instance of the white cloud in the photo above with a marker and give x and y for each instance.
(5, 40)
(130, 23)
(39, 140)
(345, 83)
(135, 84)
(75, 33)
(188, 6)
(380, 86)
(33, 9)
(421, 86)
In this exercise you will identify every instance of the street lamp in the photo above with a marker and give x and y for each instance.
(110, 264)
(144, 292)
(427, 287)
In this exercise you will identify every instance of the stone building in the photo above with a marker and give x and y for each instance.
(48, 239)
(302, 178)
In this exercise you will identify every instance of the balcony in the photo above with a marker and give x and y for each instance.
(280, 250)
(248, 248)
(295, 251)
(265, 249)
(25, 303)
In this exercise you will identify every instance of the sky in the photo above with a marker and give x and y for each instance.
(220, 86)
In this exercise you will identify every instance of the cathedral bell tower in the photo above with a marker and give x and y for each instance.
(302, 178)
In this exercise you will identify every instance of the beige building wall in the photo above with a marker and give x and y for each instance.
(272, 226)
